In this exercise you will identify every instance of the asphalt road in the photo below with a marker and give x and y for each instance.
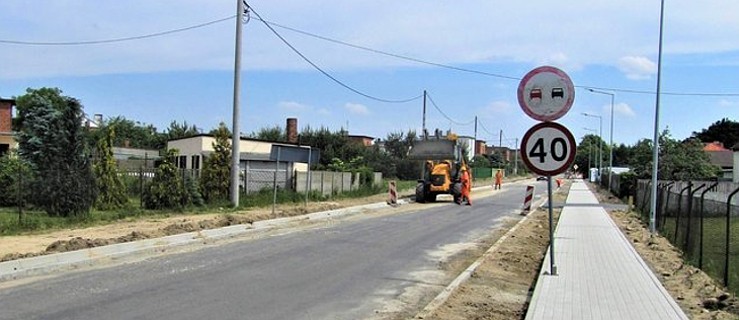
(346, 270)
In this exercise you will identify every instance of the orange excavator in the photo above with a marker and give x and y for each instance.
(443, 163)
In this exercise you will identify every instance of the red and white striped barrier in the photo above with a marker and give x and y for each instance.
(393, 192)
(528, 198)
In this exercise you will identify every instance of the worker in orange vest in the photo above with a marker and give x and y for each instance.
(466, 186)
(498, 180)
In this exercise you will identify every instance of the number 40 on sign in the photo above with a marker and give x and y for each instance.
(548, 148)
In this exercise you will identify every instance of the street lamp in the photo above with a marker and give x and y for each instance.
(610, 154)
(590, 152)
(600, 141)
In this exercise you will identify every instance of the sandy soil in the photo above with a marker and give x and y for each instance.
(500, 288)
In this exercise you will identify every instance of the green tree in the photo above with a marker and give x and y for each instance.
(397, 146)
(271, 134)
(480, 161)
(110, 186)
(622, 155)
(587, 153)
(215, 179)
(677, 160)
(725, 131)
(167, 188)
(132, 133)
(179, 131)
(51, 139)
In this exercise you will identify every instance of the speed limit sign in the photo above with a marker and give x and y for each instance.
(548, 148)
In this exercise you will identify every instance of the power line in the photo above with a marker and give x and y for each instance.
(399, 56)
(486, 129)
(113, 40)
(337, 81)
(700, 94)
(390, 54)
(445, 115)
(483, 73)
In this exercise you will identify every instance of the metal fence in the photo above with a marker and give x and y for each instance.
(19, 193)
(702, 219)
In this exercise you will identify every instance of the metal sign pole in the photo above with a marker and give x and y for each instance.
(552, 266)
(307, 177)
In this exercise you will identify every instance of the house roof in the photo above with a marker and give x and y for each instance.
(11, 101)
(723, 159)
(353, 136)
(242, 139)
(714, 146)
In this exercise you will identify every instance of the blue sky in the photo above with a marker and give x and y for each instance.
(188, 76)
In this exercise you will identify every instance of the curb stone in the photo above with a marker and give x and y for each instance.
(44, 264)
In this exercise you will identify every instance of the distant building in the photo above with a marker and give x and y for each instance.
(505, 153)
(366, 141)
(480, 147)
(7, 139)
(721, 157)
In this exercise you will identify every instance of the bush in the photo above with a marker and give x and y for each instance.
(167, 189)
(12, 172)
(627, 184)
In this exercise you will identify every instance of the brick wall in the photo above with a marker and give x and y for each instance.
(6, 115)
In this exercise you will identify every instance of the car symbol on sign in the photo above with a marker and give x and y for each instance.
(558, 93)
(535, 93)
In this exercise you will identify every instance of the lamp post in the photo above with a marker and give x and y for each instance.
(600, 141)
(610, 153)
(590, 152)
(655, 142)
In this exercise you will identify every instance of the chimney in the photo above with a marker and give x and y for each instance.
(292, 130)
(98, 118)
(6, 115)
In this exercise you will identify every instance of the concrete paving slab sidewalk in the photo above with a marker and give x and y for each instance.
(599, 274)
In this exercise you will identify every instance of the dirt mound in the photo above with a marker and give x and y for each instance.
(15, 256)
(184, 226)
(500, 288)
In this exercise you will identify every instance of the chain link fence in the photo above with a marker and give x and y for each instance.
(18, 191)
(702, 219)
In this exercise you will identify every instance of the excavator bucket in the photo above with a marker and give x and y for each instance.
(440, 149)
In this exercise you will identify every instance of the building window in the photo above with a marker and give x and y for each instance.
(182, 162)
(4, 148)
(196, 162)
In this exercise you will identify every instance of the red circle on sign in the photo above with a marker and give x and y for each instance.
(546, 93)
(559, 166)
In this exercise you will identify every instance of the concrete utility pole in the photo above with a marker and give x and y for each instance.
(474, 146)
(423, 125)
(515, 164)
(235, 152)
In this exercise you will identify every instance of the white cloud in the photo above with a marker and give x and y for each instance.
(624, 110)
(727, 103)
(496, 107)
(357, 108)
(637, 68)
(582, 34)
(324, 112)
(292, 106)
